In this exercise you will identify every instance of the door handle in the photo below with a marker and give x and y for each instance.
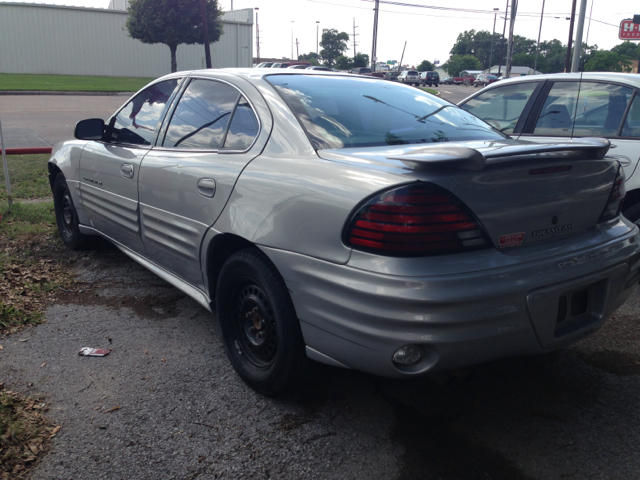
(126, 170)
(207, 187)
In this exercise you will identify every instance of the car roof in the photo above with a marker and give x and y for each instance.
(627, 78)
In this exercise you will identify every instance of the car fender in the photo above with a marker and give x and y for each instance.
(65, 157)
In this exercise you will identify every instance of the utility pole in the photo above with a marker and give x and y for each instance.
(205, 33)
(375, 37)
(257, 35)
(354, 38)
(577, 50)
(402, 57)
(535, 63)
(504, 29)
(317, 43)
(297, 49)
(567, 60)
(292, 22)
(495, 16)
(514, 8)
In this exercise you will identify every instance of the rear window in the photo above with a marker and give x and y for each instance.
(342, 112)
(412, 73)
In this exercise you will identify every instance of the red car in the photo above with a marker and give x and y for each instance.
(484, 80)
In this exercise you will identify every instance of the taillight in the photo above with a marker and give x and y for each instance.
(413, 221)
(616, 197)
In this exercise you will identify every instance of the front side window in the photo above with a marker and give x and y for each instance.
(136, 123)
(339, 112)
(558, 111)
(631, 126)
(200, 120)
(502, 106)
(601, 107)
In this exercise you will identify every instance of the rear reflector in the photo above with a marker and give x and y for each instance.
(416, 220)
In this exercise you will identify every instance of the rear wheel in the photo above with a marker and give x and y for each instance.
(633, 213)
(67, 216)
(261, 331)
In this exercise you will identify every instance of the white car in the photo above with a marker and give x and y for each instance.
(560, 107)
(409, 76)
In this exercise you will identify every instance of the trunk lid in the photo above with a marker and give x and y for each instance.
(522, 193)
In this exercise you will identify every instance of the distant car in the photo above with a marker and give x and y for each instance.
(411, 77)
(484, 79)
(567, 107)
(264, 65)
(378, 74)
(320, 68)
(361, 71)
(289, 63)
(393, 76)
(429, 78)
(302, 66)
(447, 81)
(358, 223)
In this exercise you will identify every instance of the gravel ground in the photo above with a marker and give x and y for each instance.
(165, 403)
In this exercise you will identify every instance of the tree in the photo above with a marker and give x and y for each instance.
(343, 63)
(478, 44)
(605, 61)
(311, 57)
(172, 22)
(333, 45)
(458, 63)
(426, 66)
(628, 49)
(361, 60)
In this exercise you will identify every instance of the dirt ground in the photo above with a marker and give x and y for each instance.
(165, 403)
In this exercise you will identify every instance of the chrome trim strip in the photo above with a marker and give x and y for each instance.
(195, 293)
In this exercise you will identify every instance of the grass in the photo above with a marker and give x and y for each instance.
(29, 177)
(11, 81)
(429, 90)
(24, 433)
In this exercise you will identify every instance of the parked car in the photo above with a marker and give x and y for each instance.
(393, 76)
(289, 64)
(484, 79)
(301, 66)
(447, 81)
(423, 241)
(264, 65)
(320, 68)
(566, 107)
(361, 71)
(429, 78)
(409, 76)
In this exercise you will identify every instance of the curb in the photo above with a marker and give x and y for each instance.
(64, 92)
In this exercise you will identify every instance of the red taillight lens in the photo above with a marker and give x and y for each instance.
(414, 221)
(614, 204)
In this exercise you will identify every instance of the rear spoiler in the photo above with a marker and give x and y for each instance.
(464, 158)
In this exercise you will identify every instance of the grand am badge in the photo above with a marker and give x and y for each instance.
(549, 231)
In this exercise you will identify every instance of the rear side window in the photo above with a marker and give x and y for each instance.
(600, 109)
(558, 111)
(501, 106)
(243, 128)
(631, 126)
(200, 120)
(137, 121)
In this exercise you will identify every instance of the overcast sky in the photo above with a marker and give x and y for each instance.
(429, 27)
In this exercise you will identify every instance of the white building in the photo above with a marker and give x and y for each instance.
(515, 71)
(61, 40)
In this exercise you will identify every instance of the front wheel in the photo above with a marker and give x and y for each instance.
(260, 329)
(67, 216)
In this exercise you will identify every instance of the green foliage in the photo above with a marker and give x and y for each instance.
(361, 60)
(311, 57)
(78, 83)
(606, 61)
(172, 22)
(333, 45)
(458, 63)
(629, 49)
(426, 66)
(343, 63)
(477, 44)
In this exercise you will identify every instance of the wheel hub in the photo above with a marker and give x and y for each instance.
(255, 325)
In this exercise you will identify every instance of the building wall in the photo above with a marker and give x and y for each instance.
(52, 39)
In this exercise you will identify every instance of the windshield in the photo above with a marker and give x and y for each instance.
(339, 112)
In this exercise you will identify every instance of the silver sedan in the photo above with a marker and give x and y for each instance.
(359, 223)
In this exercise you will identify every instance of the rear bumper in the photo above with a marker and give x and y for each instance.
(358, 319)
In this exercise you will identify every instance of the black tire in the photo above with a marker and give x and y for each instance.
(259, 326)
(632, 213)
(436, 85)
(67, 216)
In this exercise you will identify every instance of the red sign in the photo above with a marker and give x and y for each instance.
(629, 30)
(511, 240)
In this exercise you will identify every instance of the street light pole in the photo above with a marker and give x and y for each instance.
(292, 22)
(504, 29)
(257, 35)
(317, 42)
(495, 16)
(535, 63)
(375, 37)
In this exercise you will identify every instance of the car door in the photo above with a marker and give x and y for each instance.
(109, 169)
(185, 181)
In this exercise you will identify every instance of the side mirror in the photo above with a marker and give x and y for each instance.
(91, 129)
